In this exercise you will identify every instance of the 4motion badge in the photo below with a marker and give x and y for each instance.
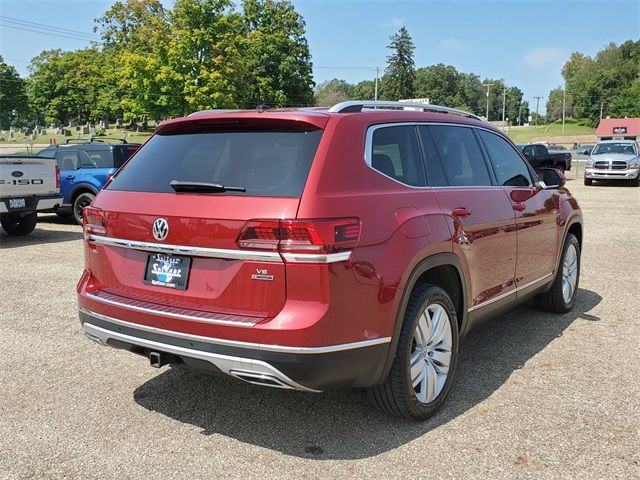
(262, 274)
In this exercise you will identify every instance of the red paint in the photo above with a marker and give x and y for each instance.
(503, 237)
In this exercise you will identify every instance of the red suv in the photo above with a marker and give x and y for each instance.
(320, 249)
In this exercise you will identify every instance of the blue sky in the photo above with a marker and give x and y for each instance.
(525, 42)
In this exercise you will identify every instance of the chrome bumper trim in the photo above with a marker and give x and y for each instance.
(223, 253)
(247, 369)
(152, 311)
(187, 250)
(239, 344)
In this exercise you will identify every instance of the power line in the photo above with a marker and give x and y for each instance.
(44, 26)
(48, 33)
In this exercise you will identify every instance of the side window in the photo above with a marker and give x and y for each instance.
(461, 157)
(435, 172)
(539, 150)
(528, 151)
(395, 153)
(100, 158)
(85, 160)
(67, 159)
(509, 168)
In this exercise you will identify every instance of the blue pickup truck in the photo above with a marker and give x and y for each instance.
(84, 169)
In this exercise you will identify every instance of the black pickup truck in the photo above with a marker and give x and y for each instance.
(540, 156)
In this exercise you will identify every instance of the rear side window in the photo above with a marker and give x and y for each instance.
(395, 153)
(509, 168)
(461, 157)
(265, 163)
(98, 159)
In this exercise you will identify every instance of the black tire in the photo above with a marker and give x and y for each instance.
(396, 395)
(636, 182)
(553, 299)
(588, 181)
(80, 203)
(18, 225)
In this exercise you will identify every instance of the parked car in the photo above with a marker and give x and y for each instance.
(613, 160)
(84, 170)
(584, 149)
(539, 156)
(27, 185)
(315, 250)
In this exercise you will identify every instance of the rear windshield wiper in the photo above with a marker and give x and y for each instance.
(201, 187)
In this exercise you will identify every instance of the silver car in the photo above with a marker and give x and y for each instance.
(613, 160)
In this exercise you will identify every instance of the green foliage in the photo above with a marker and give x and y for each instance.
(13, 98)
(397, 82)
(610, 81)
(333, 91)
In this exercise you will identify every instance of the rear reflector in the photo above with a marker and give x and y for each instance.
(57, 178)
(93, 221)
(301, 236)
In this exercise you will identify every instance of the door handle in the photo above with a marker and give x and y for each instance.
(461, 212)
(519, 206)
(70, 177)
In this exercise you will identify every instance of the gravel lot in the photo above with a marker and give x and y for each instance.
(535, 396)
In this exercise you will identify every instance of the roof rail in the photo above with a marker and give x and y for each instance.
(215, 110)
(359, 105)
(81, 141)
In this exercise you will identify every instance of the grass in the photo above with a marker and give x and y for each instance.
(135, 137)
(527, 134)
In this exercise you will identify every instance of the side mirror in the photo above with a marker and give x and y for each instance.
(552, 178)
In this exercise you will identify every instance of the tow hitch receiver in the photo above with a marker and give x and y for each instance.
(157, 360)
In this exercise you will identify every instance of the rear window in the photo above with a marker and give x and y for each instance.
(122, 153)
(265, 163)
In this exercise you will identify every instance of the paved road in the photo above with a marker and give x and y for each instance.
(535, 396)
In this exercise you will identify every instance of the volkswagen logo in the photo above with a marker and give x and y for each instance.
(160, 229)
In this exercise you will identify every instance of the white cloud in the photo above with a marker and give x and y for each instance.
(396, 22)
(453, 44)
(545, 58)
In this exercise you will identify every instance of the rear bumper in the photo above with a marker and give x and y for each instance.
(357, 364)
(597, 174)
(32, 204)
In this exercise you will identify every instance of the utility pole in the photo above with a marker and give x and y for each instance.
(537, 104)
(601, 108)
(519, 112)
(375, 96)
(504, 103)
(488, 85)
(564, 104)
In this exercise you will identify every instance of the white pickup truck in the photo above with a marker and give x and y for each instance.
(27, 185)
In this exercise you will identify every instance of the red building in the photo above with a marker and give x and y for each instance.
(619, 129)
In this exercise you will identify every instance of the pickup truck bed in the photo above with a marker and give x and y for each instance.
(27, 185)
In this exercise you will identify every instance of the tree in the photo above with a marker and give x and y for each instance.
(397, 82)
(333, 91)
(13, 97)
(65, 86)
(277, 69)
(364, 90)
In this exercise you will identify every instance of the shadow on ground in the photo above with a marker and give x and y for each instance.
(342, 425)
(41, 236)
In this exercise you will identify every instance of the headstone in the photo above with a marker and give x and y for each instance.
(11, 136)
(145, 125)
(118, 122)
(86, 130)
(58, 131)
(66, 132)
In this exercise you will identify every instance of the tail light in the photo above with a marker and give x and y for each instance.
(57, 177)
(301, 236)
(93, 221)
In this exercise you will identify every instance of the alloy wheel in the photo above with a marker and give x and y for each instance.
(569, 273)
